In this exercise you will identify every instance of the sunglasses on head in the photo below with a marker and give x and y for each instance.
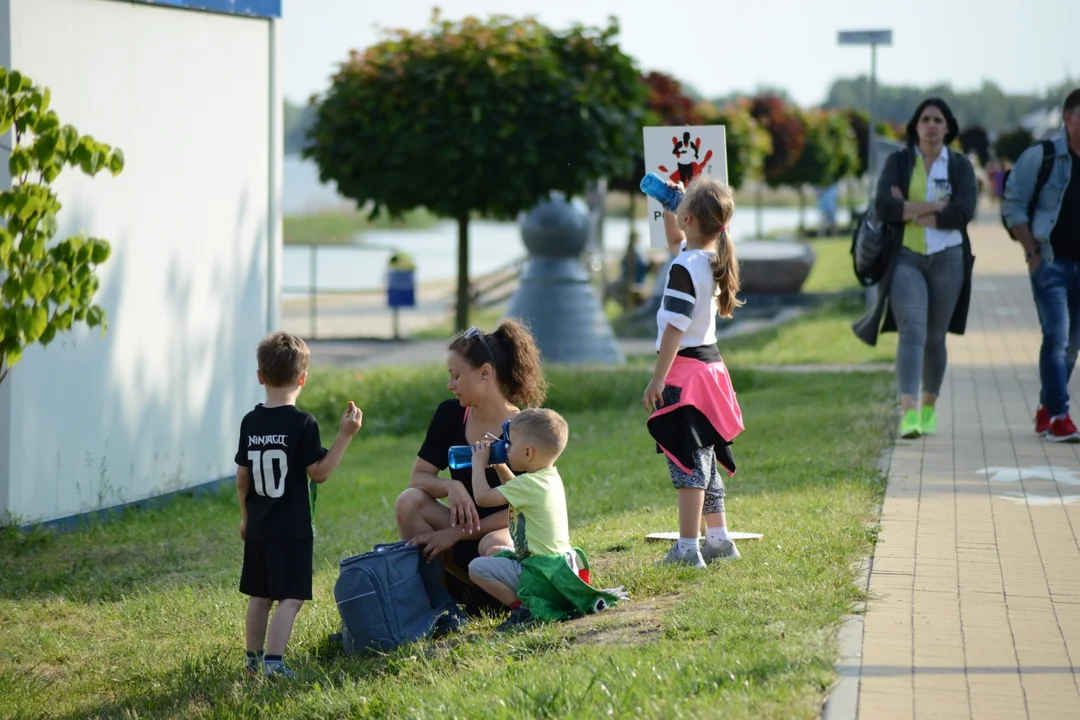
(475, 332)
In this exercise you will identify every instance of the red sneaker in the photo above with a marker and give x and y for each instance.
(1063, 430)
(1042, 420)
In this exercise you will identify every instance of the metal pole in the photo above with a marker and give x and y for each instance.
(312, 290)
(871, 153)
(871, 157)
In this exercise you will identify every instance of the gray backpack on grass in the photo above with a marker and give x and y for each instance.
(391, 596)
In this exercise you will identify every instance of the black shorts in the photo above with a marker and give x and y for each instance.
(279, 570)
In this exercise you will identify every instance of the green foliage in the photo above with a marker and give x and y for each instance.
(748, 143)
(46, 287)
(788, 133)
(666, 104)
(829, 153)
(859, 122)
(476, 116)
(1010, 145)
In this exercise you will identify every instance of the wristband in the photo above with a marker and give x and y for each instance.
(1032, 254)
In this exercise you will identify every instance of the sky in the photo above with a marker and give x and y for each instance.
(720, 46)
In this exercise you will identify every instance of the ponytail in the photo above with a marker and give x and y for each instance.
(725, 271)
(517, 361)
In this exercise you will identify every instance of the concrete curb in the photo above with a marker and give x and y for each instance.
(842, 702)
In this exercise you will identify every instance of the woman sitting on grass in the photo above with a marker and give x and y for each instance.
(492, 375)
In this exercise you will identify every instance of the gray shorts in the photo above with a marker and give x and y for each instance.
(501, 569)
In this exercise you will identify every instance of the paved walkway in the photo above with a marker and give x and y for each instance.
(974, 605)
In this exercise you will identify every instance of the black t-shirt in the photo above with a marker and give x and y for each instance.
(447, 428)
(1065, 238)
(276, 446)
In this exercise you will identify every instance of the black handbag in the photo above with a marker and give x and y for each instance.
(874, 241)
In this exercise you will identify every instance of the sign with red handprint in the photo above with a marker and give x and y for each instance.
(680, 154)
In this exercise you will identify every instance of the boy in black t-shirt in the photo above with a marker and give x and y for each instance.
(279, 448)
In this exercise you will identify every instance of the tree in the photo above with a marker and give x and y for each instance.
(975, 139)
(828, 155)
(748, 144)
(477, 117)
(788, 133)
(1010, 145)
(46, 288)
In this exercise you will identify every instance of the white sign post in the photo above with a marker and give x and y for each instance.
(679, 154)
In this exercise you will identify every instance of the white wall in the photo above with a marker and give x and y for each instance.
(155, 404)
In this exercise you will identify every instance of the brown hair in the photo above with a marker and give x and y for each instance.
(283, 358)
(512, 353)
(1072, 102)
(712, 205)
(543, 427)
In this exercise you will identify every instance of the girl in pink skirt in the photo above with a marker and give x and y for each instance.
(694, 413)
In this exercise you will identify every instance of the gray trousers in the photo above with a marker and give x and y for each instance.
(923, 296)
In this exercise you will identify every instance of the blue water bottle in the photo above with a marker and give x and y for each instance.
(653, 186)
(460, 456)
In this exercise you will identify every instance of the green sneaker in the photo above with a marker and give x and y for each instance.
(910, 428)
(928, 420)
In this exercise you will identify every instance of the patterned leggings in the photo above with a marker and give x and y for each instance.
(704, 477)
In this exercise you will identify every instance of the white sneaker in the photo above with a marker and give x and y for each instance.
(690, 557)
(724, 550)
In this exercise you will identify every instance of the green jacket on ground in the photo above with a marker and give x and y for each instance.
(552, 591)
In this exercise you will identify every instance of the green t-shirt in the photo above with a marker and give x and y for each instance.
(538, 521)
(915, 235)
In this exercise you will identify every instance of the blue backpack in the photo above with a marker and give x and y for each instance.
(391, 596)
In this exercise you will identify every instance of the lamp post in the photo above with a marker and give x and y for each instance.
(873, 38)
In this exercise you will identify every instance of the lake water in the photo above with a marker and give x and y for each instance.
(492, 245)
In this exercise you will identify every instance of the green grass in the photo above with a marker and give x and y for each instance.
(832, 270)
(823, 337)
(140, 617)
(342, 227)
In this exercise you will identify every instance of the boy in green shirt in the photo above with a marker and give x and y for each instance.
(538, 524)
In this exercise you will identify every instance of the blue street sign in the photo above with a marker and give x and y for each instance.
(253, 8)
(865, 37)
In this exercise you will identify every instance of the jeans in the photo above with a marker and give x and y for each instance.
(1056, 287)
(923, 296)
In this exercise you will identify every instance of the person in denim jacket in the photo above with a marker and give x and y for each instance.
(1051, 241)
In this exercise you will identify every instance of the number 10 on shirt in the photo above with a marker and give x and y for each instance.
(269, 483)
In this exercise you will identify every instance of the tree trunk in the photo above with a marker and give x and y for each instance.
(802, 211)
(461, 318)
(758, 194)
(630, 266)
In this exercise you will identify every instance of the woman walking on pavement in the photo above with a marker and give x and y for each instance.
(931, 193)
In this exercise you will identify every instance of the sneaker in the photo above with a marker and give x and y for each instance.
(928, 420)
(1042, 420)
(1063, 430)
(520, 619)
(691, 557)
(910, 428)
(278, 669)
(725, 550)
